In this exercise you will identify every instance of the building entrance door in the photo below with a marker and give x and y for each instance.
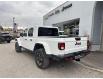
(101, 45)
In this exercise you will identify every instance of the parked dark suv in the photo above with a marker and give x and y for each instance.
(5, 37)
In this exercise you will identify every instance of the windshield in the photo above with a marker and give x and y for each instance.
(43, 31)
(4, 33)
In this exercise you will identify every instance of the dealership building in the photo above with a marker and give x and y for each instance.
(77, 18)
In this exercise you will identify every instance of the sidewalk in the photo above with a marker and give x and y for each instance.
(94, 59)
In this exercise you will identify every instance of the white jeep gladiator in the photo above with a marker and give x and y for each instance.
(46, 44)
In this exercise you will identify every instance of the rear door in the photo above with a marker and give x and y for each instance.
(24, 38)
(30, 40)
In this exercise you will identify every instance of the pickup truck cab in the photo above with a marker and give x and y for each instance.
(46, 44)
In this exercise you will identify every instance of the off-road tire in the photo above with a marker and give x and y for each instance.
(0, 41)
(8, 41)
(18, 48)
(77, 59)
(41, 59)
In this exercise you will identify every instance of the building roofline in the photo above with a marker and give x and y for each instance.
(55, 8)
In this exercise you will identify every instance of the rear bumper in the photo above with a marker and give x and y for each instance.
(80, 53)
(76, 53)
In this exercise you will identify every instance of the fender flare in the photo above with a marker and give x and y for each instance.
(45, 46)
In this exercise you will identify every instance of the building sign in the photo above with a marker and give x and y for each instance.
(51, 14)
(58, 11)
(66, 7)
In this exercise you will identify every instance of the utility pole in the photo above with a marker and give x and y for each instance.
(14, 28)
(13, 20)
(13, 24)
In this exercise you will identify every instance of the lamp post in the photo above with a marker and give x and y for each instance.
(14, 25)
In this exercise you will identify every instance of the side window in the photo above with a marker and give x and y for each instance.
(25, 33)
(30, 32)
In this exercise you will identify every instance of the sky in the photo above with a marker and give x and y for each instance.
(26, 13)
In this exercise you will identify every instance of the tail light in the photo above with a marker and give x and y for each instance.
(61, 46)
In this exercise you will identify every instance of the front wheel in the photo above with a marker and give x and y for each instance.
(17, 47)
(41, 59)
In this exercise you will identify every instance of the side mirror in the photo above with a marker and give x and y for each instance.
(21, 34)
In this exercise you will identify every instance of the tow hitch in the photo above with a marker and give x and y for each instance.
(76, 58)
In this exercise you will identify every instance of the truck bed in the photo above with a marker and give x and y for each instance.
(71, 44)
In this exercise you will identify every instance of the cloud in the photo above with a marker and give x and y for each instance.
(47, 3)
(27, 13)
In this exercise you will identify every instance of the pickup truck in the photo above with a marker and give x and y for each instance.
(46, 44)
(5, 37)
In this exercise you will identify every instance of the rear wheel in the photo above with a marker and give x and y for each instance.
(17, 47)
(77, 59)
(0, 41)
(41, 59)
(8, 41)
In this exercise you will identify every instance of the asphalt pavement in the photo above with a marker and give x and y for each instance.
(94, 59)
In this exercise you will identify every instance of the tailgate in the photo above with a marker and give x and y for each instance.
(75, 44)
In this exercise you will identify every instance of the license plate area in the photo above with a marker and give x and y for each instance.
(78, 43)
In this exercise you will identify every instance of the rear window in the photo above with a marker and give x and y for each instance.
(42, 31)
